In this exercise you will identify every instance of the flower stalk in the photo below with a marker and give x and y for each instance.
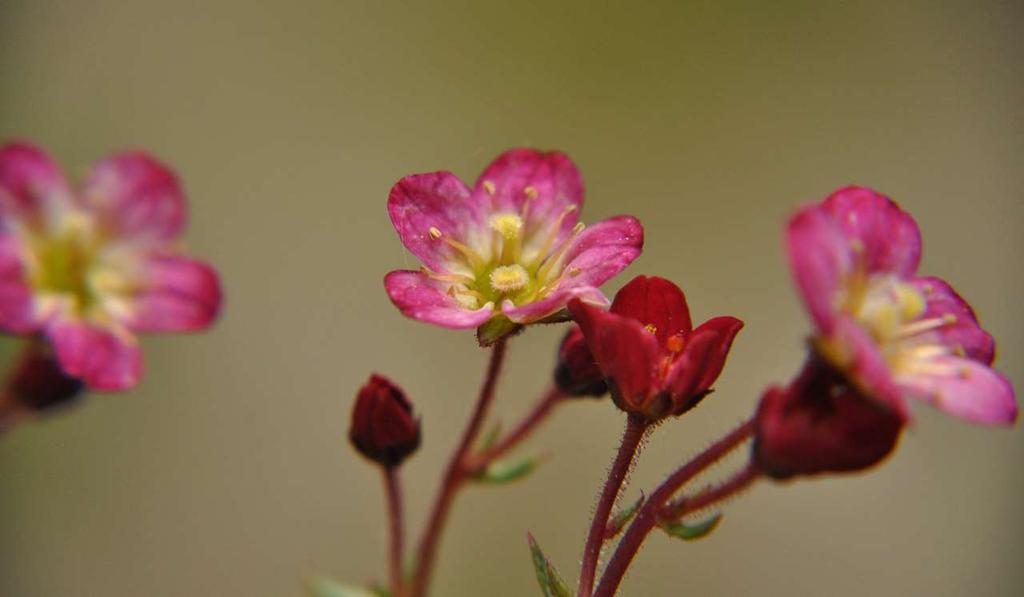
(393, 493)
(636, 427)
(543, 408)
(455, 474)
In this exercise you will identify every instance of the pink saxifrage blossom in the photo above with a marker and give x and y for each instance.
(89, 268)
(892, 333)
(508, 252)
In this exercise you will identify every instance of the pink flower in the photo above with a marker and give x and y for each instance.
(655, 361)
(89, 269)
(507, 253)
(890, 332)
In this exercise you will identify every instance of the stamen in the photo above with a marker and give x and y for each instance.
(531, 192)
(435, 233)
(489, 187)
(676, 343)
(925, 325)
(449, 277)
(475, 259)
(651, 328)
(510, 227)
(552, 235)
(557, 255)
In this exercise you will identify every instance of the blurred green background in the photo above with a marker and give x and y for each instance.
(226, 472)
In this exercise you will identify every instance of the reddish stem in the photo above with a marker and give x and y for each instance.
(650, 513)
(635, 428)
(393, 491)
(552, 397)
(455, 474)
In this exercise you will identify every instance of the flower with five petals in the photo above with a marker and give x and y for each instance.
(508, 252)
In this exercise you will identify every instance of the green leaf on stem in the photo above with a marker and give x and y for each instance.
(325, 587)
(507, 471)
(689, 532)
(621, 518)
(550, 582)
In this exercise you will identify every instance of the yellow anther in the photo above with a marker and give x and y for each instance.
(949, 318)
(575, 272)
(578, 227)
(531, 192)
(676, 343)
(435, 233)
(489, 187)
(508, 225)
(651, 328)
(508, 278)
(857, 246)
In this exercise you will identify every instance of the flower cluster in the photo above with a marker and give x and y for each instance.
(510, 252)
(90, 268)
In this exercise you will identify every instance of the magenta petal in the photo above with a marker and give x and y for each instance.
(554, 181)
(889, 235)
(29, 180)
(137, 197)
(419, 297)
(16, 304)
(554, 302)
(601, 251)
(962, 335)
(966, 389)
(440, 201)
(102, 359)
(865, 366)
(820, 258)
(180, 294)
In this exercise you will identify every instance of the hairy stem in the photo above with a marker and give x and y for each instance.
(455, 474)
(635, 428)
(537, 415)
(651, 513)
(393, 491)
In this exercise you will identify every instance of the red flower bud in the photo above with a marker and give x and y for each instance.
(821, 424)
(383, 427)
(655, 362)
(577, 373)
(38, 383)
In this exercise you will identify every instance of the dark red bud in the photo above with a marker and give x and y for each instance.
(39, 384)
(577, 373)
(383, 427)
(820, 424)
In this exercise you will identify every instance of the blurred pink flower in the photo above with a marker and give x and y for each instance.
(510, 251)
(90, 268)
(891, 332)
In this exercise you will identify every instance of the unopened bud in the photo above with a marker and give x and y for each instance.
(577, 373)
(39, 384)
(383, 427)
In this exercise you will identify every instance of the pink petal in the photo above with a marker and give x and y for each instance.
(16, 304)
(556, 185)
(102, 359)
(889, 235)
(965, 388)
(436, 200)
(965, 333)
(29, 181)
(601, 251)
(626, 352)
(657, 302)
(420, 297)
(180, 294)
(865, 367)
(137, 197)
(821, 258)
(551, 304)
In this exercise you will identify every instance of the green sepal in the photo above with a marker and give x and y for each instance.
(495, 329)
(621, 518)
(550, 582)
(507, 471)
(688, 532)
(326, 587)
